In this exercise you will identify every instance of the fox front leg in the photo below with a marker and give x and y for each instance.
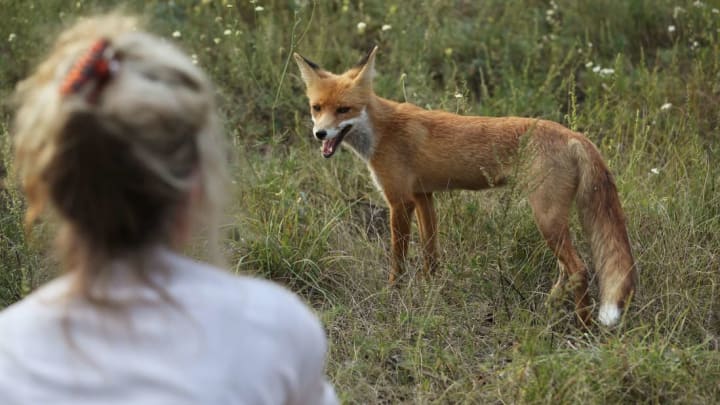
(427, 224)
(400, 220)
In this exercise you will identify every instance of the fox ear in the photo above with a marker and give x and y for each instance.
(310, 71)
(366, 68)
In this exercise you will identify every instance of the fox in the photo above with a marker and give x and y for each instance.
(413, 153)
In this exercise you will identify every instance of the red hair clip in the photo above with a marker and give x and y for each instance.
(94, 64)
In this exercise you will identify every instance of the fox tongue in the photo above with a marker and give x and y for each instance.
(328, 147)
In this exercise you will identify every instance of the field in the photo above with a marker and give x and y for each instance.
(641, 78)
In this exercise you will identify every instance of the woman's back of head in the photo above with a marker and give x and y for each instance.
(116, 132)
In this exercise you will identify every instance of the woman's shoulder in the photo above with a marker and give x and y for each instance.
(254, 299)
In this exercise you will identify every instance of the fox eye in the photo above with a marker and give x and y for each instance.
(343, 110)
(316, 107)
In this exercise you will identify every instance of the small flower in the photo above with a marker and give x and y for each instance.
(699, 4)
(590, 45)
(386, 27)
(259, 8)
(11, 37)
(715, 11)
(550, 12)
(671, 28)
(448, 52)
(227, 32)
(596, 69)
(194, 59)
(176, 34)
(665, 106)
(607, 72)
(458, 95)
(216, 40)
(694, 45)
(655, 170)
(361, 27)
(589, 65)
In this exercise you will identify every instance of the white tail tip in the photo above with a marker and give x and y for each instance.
(609, 314)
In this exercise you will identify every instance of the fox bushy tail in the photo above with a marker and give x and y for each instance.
(603, 221)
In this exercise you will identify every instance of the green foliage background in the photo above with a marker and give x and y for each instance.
(641, 78)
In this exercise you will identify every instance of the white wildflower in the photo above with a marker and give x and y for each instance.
(458, 95)
(655, 170)
(607, 71)
(227, 32)
(596, 69)
(448, 52)
(386, 27)
(550, 12)
(590, 45)
(715, 11)
(589, 65)
(694, 45)
(699, 4)
(671, 28)
(176, 34)
(665, 106)
(259, 8)
(194, 59)
(11, 37)
(216, 40)
(361, 27)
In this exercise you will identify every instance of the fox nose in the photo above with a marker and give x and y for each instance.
(321, 134)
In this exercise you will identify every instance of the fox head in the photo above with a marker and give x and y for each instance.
(338, 102)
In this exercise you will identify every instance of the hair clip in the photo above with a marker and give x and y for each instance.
(94, 64)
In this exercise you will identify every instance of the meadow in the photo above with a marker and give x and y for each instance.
(641, 78)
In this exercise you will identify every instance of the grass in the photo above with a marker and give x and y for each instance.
(484, 329)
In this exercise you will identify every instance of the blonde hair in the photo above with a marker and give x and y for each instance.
(117, 169)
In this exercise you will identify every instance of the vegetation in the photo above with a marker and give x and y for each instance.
(641, 78)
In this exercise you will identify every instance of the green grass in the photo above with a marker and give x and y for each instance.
(483, 330)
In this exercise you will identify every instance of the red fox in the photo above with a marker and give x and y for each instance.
(412, 152)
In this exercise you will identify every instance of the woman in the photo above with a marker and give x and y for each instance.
(116, 133)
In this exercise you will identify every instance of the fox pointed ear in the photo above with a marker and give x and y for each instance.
(310, 71)
(366, 68)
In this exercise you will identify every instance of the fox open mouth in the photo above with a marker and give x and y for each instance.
(330, 146)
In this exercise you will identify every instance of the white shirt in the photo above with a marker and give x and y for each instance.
(225, 340)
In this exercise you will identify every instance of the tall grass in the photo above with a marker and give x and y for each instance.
(641, 78)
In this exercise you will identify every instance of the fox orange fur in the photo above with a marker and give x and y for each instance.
(412, 153)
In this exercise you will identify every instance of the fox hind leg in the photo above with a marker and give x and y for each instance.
(551, 205)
